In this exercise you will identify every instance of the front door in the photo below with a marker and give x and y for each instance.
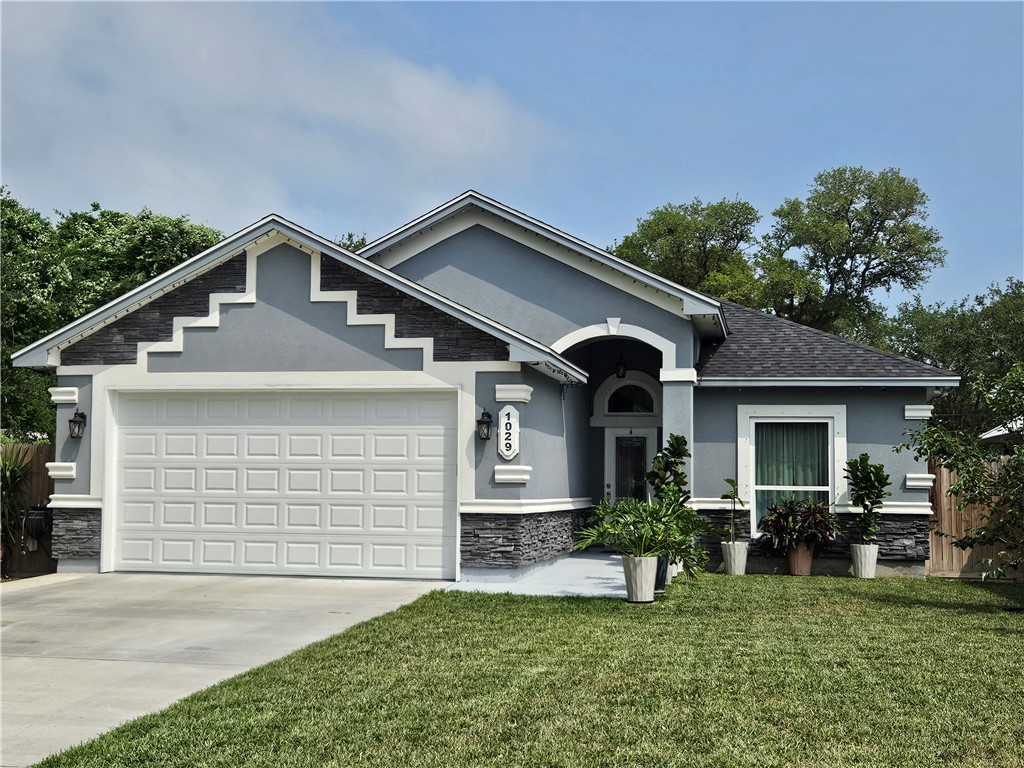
(628, 455)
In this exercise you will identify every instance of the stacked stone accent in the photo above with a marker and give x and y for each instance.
(515, 541)
(76, 534)
(454, 340)
(900, 537)
(117, 342)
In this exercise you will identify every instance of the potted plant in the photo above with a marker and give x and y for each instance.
(643, 531)
(734, 553)
(795, 526)
(868, 486)
(667, 477)
(635, 529)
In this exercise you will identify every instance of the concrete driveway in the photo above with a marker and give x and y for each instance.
(83, 653)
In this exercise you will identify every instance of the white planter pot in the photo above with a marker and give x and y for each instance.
(734, 557)
(640, 573)
(865, 557)
(673, 571)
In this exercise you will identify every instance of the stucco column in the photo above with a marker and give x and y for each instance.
(677, 418)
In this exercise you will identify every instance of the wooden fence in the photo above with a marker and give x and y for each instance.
(20, 561)
(949, 561)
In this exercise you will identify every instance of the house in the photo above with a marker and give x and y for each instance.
(279, 405)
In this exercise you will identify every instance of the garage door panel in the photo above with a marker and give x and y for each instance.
(345, 483)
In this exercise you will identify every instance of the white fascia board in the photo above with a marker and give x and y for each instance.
(695, 302)
(37, 355)
(827, 381)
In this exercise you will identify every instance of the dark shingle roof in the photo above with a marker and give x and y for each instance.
(762, 346)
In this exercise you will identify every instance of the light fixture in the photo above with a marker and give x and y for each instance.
(76, 424)
(483, 425)
(620, 367)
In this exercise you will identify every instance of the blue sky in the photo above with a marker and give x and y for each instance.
(348, 116)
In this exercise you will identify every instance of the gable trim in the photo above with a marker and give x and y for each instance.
(258, 237)
(472, 208)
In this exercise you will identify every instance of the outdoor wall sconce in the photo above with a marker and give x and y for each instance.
(76, 425)
(620, 367)
(483, 425)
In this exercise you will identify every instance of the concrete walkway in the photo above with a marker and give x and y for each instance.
(82, 653)
(585, 574)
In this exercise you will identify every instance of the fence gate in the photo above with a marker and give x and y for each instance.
(947, 560)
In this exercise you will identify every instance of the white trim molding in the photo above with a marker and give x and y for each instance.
(604, 330)
(893, 508)
(602, 418)
(512, 473)
(64, 395)
(717, 505)
(678, 374)
(74, 501)
(917, 412)
(523, 506)
(512, 393)
(61, 470)
(923, 480)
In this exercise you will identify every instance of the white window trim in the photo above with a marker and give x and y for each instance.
(748, 415)
(602, 418)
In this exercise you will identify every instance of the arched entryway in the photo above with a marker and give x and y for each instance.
(623, 400)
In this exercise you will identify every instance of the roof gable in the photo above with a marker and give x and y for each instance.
(472, 209)
(45, 353)
(764, 350)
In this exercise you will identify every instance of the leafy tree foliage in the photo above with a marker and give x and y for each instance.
(990, 475)
(350, 241)
(857, 232)
(54, 273)
(690, 243)
(979, 338)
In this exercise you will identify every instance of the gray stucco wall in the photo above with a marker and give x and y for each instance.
(284, 331)
(542, 441)
(874, 424)
(78, 451)
(532, 293)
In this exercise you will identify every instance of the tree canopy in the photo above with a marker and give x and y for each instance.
(689, 243)
(979, 338)
(821, 264)
(54, 273)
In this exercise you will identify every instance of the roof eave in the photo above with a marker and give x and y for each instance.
(828, 381)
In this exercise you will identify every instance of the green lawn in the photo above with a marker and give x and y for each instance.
(725, 671)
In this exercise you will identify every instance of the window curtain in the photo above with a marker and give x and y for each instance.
(791, 453)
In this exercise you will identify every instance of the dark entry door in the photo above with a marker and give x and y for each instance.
(630, 466)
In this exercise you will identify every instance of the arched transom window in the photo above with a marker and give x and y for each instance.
(631, 398)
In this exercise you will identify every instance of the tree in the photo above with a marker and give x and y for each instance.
(52, 274)
(350, 241)
(857, 232)
(690, 243)
(979, 338)
(990, 475)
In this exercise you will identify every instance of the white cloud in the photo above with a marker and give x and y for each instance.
(226, 112)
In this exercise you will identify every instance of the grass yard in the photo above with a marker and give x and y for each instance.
(725, 671)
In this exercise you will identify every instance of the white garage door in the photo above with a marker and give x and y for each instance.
(352, 484)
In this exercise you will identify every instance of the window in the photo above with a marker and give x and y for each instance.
(630, 398)
(789, 451)
(791, 459)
